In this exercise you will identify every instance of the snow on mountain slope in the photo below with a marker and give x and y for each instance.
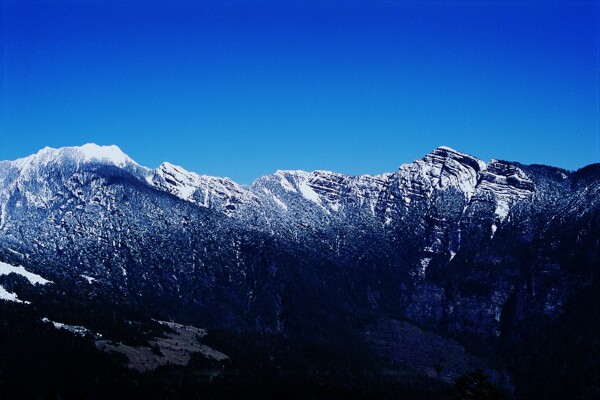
(176, 231)
(87, 153)
(40, 179)
(8, 296)
(74, 329)
(330, 192)
(507, 184)
(323, 192)
(501, 182)
(34, 279)
(206, 191)
(111, 154)
(428, 196)
(443, 168)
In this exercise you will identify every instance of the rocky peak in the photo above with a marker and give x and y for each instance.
(441, 169)
(207, 191)
(176, 180)
(331, 191)
(507, 183)
(447, 156)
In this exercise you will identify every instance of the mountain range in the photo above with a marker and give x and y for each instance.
(314, 280)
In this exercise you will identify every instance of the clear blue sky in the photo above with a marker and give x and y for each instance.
(241, 89)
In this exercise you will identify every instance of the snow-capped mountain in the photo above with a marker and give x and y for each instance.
(449, 242)
(80, 194)
(433, 196)
(327, 192)
(221, 194)
(442, 170)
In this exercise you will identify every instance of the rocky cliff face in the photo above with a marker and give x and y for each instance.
(449, 243)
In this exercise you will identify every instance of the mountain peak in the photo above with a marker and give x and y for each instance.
(112, 153)
(447, 149)
(168, 167)
(86, 153)
(443, 153)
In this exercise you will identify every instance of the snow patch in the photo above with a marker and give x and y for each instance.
(502, 209)
(8, 296)
(17, 253)
(280, 203)
(34, 279)
(89, 279)
(3, 215)
(285, 184)
(276, 199)
(75, 329)
(308, 193)
(424, 264)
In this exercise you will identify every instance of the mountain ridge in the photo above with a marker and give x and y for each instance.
(475, 257)
(92, 151)
(442, 167)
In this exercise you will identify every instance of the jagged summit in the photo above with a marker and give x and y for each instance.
(206, 191)
(444, 153)
(180, 171)
(177, 171)
(442, 168)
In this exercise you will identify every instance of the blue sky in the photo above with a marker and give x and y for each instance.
(241, 89)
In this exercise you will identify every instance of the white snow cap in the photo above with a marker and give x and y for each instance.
(86, 153)
(113, 154)
(448, 149)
